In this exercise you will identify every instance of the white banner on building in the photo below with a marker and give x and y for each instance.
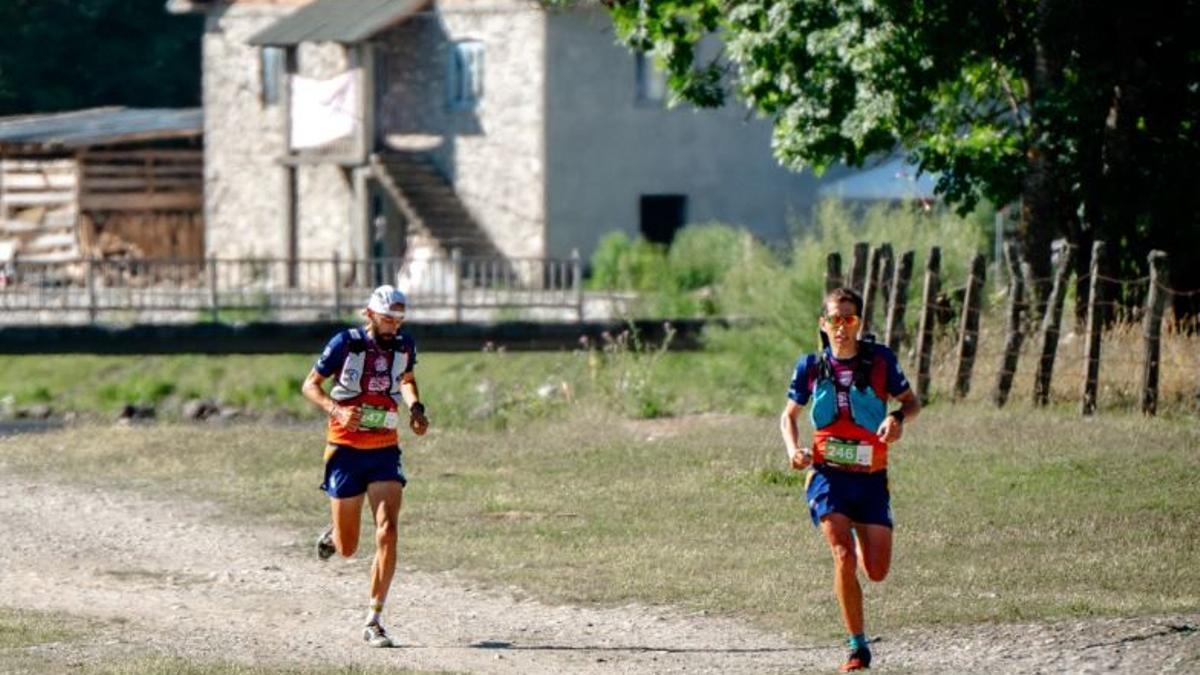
(323, 110)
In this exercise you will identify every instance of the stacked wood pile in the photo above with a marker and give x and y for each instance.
(130, 205)
(38, 210)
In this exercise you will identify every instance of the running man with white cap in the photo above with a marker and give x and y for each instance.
(372, 371)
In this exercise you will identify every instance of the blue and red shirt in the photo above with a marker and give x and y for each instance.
(366, 373)
(845, 417)
(805, 375)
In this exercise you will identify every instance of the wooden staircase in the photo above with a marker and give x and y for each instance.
(437, 218)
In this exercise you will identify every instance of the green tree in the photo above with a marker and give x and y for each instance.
(1088, 113)
(69, 54)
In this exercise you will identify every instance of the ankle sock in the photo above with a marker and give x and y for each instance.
(374, 611)
(858, 641)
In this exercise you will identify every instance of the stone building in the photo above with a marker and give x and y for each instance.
(497, 127)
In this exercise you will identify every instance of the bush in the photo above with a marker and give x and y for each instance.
(702, 255)
(677, 282)
(625, 264)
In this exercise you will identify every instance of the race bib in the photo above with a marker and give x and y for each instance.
(847, 452)
(378, 418)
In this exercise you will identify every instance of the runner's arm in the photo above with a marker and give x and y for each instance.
(412, 398)
(790, 428)
(893, 425)
(313, 391)
(910, 405)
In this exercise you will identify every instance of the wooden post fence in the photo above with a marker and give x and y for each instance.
(833, 271)
(870, 288)
(858, 266)
(899, 301)
(1095, 327)
(1015, 329)
(925, 329)
(1156, 300)
(887, 272)
(1051, 325)
(968, 334)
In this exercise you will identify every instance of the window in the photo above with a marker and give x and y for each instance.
(651, 81)
(662, 216)
(272, 74)
(465, 79)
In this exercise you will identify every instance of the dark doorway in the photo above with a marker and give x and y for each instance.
(662, 216)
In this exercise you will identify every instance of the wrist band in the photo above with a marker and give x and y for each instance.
(417, 408)
(899, 415)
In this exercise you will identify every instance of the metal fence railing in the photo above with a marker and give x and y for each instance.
(207, 288)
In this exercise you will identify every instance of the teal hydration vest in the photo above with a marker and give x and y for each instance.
(867, 408)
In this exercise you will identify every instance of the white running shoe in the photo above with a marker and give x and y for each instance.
(375, 636)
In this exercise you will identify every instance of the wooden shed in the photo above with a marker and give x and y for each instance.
(102, 183)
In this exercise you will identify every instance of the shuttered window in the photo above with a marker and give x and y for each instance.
(465, 79)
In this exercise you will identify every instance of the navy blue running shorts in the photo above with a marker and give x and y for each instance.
(861, 497)
(349, 470)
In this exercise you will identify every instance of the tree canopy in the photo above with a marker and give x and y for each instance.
(1088, 113)
(68, 54)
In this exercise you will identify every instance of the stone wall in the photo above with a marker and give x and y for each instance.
(245, 140)
(493, 154)
(325, 192)
(245, 186)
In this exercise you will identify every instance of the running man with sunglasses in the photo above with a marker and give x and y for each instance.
(372, 369)
(849, 384)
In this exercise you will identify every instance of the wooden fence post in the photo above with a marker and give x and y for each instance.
(1095, 328)
(968, 334)
(1156, 300)
(577, 284)
(213, 300)
(1015, 328)
(833, 271)
(858, 266)
(887, 273)
(899, 302)
(871, 286)
(1051, 324)
(925, 330)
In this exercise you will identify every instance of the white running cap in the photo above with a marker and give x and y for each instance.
(384, 297)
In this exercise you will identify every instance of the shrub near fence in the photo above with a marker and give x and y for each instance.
(1133, 363)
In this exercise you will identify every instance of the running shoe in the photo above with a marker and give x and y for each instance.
(375, 636)
(859, 659)
(325, 547)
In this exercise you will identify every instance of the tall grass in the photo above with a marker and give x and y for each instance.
(782, 293)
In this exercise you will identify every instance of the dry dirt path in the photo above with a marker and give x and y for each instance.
(174, 578)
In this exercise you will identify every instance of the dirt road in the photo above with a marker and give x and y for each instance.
(173, 578)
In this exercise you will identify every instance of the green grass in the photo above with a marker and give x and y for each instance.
(1002, 515)
(463, 390)
(26, 628)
